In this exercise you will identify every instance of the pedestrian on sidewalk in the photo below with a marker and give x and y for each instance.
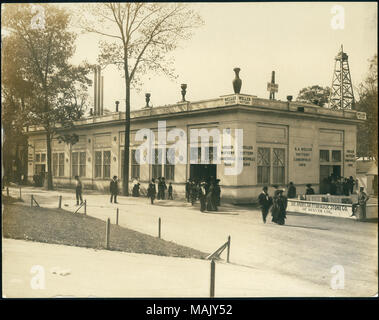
(362, 200)
(265, 202)
(202, 196)
(291, 193)
(113, 188)
(151, 191)
(170, 197)
(279, 207)
(78, 190)
(188, 190)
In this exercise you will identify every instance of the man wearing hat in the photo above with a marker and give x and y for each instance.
(309, 190)
(362, 200)
(265, 202)
(113, 188)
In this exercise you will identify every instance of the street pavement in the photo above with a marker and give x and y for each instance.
(298, 259)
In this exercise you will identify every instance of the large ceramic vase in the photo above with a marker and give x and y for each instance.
(237, 82)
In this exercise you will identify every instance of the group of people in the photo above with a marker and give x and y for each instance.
(339, 186)
(157, 188)
(208, 192)
(277, 204)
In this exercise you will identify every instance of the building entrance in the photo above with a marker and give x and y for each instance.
(203, 171)
(325, 173)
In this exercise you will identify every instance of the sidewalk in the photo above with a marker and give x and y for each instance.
(305, 249)
(100, 273)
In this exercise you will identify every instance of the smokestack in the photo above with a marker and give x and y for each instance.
(102, 95)
(95, 92)
(98, 90)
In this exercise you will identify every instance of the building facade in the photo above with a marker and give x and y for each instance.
(274, 141)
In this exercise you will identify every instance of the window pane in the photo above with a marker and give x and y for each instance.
(43, 157)
(263, 176)
(107, 164)
(61, 164)
(55, 164)
(74, 159)
(324, 155)
(82, 168)
(38, 157)
(98, 164)
(336, 155)
(169, 172)
(278, 165)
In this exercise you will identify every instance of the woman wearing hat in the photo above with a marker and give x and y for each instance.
(309, 189)
(279, 207)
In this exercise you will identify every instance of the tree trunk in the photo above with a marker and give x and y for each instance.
(125, 180)
(48, 156)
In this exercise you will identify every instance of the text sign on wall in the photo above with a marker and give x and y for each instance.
(302, 155)
(350, 157)
(320, 208)
(361, 115)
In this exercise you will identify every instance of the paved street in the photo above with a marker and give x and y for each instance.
(291, 260)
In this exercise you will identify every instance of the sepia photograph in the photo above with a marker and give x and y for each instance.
(189, 150)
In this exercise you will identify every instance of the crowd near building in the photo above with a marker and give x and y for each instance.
(282, 141)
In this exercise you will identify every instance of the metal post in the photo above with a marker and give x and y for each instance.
(159, 228)
(31, 201)
(60, 202)
(117, 217)
(213, 275)
(107, 231)
(85, 207)
(228, 252)
(7, 192)
(20, 194)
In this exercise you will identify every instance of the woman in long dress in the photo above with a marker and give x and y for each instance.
(210, 199)
(278, 210)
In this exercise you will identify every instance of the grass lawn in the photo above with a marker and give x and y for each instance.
(62, 227)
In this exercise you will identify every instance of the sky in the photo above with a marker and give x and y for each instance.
(296, 40)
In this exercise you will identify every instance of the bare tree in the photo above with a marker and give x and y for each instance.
(139, 37)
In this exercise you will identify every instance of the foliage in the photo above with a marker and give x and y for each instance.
(315, 94)
(367, 140)
(57, 89)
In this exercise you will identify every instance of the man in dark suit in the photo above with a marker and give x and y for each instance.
(113, 188)
(265, 202)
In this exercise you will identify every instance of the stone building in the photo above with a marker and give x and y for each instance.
(283, 141)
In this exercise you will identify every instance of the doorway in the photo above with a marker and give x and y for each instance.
(203, 171)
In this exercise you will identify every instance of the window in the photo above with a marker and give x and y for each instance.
(75, 164)
(78, 160)
(102, 164)
(271, 166)
(58, 164)
(40, 163)
(263, 165)
(336, 155)
(211, 152)
(61, 164)
(324, 155)
(55, 164)
(278, 166)
(135, 174)
(169, 169)
(157, 165)
(98, 163)
(195, 158)
(107, 164)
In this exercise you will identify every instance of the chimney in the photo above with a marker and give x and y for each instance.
(102, 95)
(95, 92)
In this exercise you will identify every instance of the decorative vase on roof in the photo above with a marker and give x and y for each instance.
(237, 82)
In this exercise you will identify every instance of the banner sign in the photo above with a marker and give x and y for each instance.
(320, 208)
